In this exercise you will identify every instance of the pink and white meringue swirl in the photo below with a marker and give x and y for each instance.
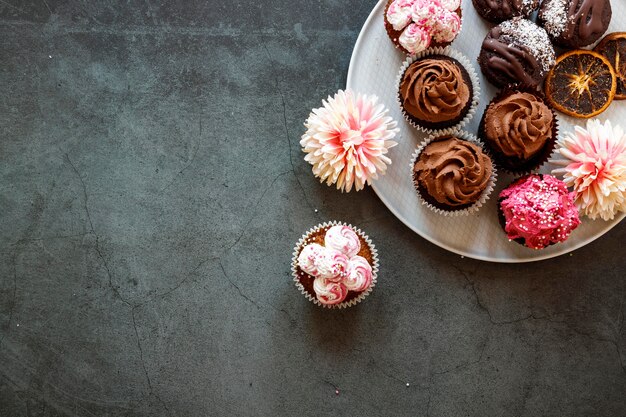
(451, 5)
(424, 12)
(447, 27)
(359, 276)
(310, 257)
(343, 239)
(332, 265)
(399, 14)
(347, 140)
(415, 38)
(594, 165)
(329, 292)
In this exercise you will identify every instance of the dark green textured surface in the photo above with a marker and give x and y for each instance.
(152, 190)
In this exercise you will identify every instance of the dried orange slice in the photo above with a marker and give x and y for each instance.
(613, 47)
(581, 84)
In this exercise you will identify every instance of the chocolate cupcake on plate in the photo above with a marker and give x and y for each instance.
(497, 11)
(452, 174)
(575, 23)
(520, 128)
(516, 52)
(437, 90)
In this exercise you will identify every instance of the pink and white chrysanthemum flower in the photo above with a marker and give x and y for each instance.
(347, 140)
(594, 165)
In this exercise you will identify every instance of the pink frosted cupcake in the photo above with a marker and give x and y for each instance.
(416, 25)
(335, 265)
(538, 211)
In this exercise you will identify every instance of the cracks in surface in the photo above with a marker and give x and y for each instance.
(466, 364)
(143, 365)
(193, 157)
(13, 299)
(115, 289)
(287, 137)
(11, 6)
(254, 212)
(180, 283)
(237, 287)
(93, 231)
(484, 307)
(326, 381)
(258, 305)
(550, 319)
(472, 285)
(596, 338)
(47, 6)
(387, 374)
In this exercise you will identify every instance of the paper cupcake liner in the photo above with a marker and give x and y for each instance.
(471, 71)
(311, 297)
(486, 192)
(395, 34)
(546, 152)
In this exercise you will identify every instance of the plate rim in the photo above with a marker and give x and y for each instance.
(541, 256)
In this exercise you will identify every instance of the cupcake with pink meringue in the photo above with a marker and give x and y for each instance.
(335, 265)
(416, 25)
(347, 140)
(538, 211)
(593, 162)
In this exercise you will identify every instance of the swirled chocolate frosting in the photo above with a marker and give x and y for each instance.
(434, 90)
(518, 125)
(454, 172)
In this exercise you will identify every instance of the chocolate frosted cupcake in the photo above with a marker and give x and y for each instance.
(516, 52)
(416, 25)
(436, 90)
(520, 129)
(575, 23)
(497, 11)
(452, 174)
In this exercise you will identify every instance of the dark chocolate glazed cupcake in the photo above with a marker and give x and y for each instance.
(575, 23)
(520, 129)
(497, 11)
(516, 52)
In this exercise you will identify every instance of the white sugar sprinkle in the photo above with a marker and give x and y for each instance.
(524, 33)
(554, 15)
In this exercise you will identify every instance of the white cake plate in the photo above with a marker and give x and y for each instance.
(373, 69)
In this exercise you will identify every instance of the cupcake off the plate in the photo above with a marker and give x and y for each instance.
(335, 265)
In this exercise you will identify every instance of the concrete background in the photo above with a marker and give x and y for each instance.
(152, 189)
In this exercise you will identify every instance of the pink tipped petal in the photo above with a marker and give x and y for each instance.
(346, 138)
(594, 164)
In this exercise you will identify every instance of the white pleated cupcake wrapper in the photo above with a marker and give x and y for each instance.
(485, 194)
(311, 297)
(462, 59)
